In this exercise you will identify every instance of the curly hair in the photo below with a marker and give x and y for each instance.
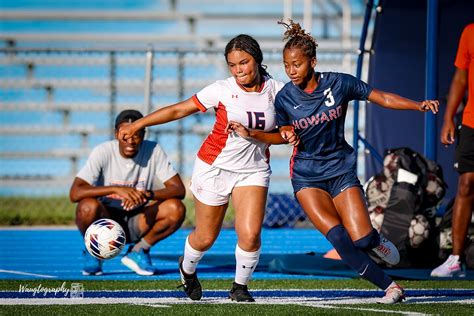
(249, 45)
(298, 38)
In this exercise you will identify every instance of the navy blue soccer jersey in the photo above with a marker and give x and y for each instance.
(318, 120)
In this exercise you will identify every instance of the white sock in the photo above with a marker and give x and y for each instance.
(246, 262)
(142, 244)
(191, 258)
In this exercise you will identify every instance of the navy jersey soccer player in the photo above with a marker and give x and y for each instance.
(318, 120)
(311, 109)
(310, 113)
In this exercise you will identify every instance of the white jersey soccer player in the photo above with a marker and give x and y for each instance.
(252, 109)
(227, 160)
(227, 164)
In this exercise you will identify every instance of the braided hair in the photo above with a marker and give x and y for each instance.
(249, 45)
(298, 38)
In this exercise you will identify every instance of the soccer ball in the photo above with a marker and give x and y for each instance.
(376, 215)
(418, 231)
(377, 190)
(104, 238)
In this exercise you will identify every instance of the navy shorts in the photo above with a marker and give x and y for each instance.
(333, 186)
(465, 150)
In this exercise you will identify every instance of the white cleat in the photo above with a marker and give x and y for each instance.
(450, 268)
(387, 251)
(394, 294)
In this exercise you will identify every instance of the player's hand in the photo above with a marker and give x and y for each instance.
(127, 130)
(447, 135)
(429, 105)
(290, 136)
(237, 127)
(131, 198)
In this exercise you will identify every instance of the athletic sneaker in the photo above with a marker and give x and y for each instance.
(139, 262)
(240, 293)
(394, 294)
(190, 283)
(387, 251)
(92, 265)
(450, 268)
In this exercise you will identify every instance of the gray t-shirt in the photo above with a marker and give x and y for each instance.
(149, 169)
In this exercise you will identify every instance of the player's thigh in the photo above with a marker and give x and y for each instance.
(249, 204)
(352, 210)
(319, 207)
(208, 219)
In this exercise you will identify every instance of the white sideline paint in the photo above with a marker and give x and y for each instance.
(27, 273)
(166, 301)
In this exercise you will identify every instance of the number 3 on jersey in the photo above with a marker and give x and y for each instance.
(258, 118)
(329, 98)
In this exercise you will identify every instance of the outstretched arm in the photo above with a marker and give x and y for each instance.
(394, 101)
(160, 116)
(457, 91)
(265, 137)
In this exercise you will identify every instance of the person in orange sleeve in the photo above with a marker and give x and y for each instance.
(462, 81)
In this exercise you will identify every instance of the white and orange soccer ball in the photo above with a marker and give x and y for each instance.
(104, 238)
(418, 231)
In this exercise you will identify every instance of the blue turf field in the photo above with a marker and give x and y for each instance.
(35, 253)
(57, 254)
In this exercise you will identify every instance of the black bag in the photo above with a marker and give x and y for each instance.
(408, 173)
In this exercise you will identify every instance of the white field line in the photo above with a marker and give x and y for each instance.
(27, 273)
(385, 311)
(166, 301)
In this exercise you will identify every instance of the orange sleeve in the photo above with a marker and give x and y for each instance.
(198, 103)
(463, 56)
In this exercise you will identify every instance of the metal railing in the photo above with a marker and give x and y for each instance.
(84, 90)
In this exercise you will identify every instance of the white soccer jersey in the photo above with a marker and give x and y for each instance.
(148, 170)
(254, 110)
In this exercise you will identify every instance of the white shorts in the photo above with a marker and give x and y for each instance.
(213, 186)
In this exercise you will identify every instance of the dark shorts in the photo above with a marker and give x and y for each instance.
(128, 221)
(333, 186)
(465, 150)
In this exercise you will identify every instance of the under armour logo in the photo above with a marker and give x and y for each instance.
(243, 266)
(192, 261)
(236, 96)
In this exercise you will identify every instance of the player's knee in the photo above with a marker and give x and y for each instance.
(250, 241)
(179, 212)
(204, 241)
(368, 242)
(465, 187)
(87, 209)
(175, 212)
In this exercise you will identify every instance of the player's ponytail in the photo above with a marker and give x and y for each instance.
(249, 45)
(297, 37)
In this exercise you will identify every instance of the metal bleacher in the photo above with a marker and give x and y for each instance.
(71, 79)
